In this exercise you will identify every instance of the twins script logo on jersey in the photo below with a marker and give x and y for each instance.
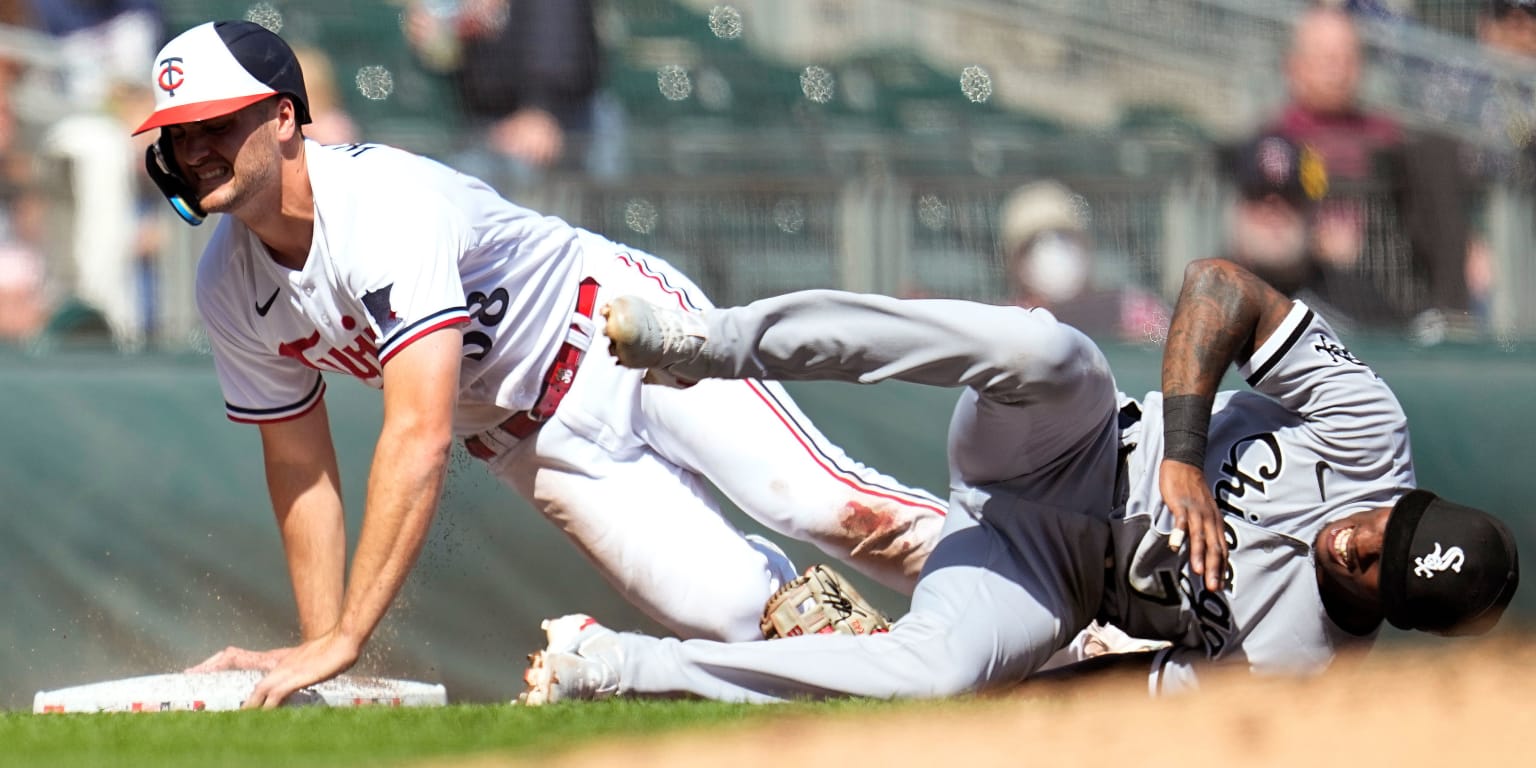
(1436, 562)
(171, 75)
(361, 359)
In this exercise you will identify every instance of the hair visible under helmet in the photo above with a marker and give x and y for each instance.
(209, 71)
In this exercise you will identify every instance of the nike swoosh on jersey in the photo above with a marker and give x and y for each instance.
(1321, 467)
(263, 309)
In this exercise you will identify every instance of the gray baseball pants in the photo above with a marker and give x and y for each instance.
(1033, 453)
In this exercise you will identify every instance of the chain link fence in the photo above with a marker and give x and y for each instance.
(768, 146)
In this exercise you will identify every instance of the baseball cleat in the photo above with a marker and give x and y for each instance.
(579, 662)
(643, 335)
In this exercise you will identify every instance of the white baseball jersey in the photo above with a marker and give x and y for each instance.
(402, 246)
(1321, 437)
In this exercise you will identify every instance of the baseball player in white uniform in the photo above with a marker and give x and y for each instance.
(1269, 528)
(473, 316)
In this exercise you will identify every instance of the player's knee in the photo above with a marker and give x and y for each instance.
(727, 625)
(950, 679)
(1047, 357)
(947, 669)
(879, 530)
(723, 604)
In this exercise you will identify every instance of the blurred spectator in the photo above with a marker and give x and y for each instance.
(24, 295)
(1505, 106)
(1279, 184)
(23, 310)
(1498, 96)
(148, 226)
(1377, 169)
(24, 299)
(1049, 258)
(107, 46)
(527, 76)
(1507, 112)
(1509, 26)
(1323, 72)
(329, 121)
(102, 43)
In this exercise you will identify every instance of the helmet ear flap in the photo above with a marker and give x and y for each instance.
(160, 163)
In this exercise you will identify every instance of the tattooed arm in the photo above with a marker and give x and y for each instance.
(1224, 314)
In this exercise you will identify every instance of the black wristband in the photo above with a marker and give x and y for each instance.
(1186, 420)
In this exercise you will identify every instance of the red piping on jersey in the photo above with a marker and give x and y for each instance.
(459, 320)
(834, 472)
(647, 272)
(862, 488)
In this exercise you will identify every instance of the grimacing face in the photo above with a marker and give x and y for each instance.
(229, 160)
(1348, 560)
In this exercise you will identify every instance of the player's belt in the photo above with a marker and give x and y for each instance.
(557, 382)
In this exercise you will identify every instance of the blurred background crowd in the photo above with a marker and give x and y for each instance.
(1372, 156)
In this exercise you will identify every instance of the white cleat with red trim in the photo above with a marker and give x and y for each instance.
(579, 663)
(643, 335)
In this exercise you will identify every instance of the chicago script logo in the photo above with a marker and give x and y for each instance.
(1261, 453)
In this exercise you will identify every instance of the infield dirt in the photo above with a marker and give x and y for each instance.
(1457, 703)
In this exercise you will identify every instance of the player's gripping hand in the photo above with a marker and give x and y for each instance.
(1195, 513)
(313, 662)
(241, 658)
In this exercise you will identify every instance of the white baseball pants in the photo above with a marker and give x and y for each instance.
(622, 468)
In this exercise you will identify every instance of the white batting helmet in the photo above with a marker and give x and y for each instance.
(210, 71)
(220, 67)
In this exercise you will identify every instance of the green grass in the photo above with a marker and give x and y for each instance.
(359, 737)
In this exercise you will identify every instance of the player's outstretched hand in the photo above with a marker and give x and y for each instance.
(1195, 513)
(241, 658)
(313, 662)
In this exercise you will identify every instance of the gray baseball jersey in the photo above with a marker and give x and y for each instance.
(1321, 437)
(1035, 449)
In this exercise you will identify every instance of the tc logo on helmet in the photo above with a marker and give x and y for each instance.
(171, 75)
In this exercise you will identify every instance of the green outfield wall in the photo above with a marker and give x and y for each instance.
(136, 538)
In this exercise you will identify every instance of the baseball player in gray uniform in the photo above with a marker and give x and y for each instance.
(1269, 528)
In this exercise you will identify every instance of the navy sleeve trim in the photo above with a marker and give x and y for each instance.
(280, 413)
(1274, 359)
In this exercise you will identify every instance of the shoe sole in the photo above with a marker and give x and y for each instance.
(539, 680)
(559, 637)
(622, 330)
